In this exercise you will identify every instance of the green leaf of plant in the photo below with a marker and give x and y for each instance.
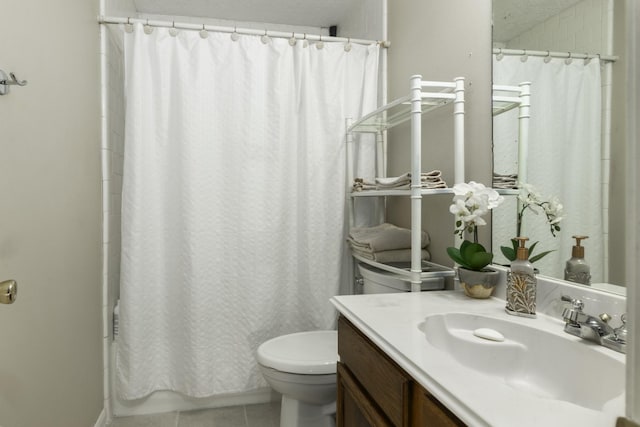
(508, 253)
(531, 249)
(539, 256)
(480, 260)
(454, 254)
(467, 251)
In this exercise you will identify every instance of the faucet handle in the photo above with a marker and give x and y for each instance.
(571, 314)
(576, 303)
(620, 333)
(605, 317)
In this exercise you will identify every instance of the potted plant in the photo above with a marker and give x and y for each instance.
(471, 201)
(530, 199)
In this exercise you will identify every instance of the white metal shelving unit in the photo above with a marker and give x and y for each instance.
(423, 96)
(506, 98)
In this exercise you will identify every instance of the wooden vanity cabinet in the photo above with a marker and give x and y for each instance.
(374, 391)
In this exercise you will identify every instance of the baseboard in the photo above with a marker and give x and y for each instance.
(102, 419)
(165, 401)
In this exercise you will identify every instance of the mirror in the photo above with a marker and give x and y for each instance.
(574, 135)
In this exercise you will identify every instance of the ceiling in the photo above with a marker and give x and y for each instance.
(513, 17)
(313, 13)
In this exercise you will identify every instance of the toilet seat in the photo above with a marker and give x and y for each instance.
(308, 353)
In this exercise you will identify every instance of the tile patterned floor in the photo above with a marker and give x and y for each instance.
(261, 415)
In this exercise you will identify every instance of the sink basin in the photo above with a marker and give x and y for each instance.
(530, 359)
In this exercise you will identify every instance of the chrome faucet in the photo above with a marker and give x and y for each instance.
(593, 328)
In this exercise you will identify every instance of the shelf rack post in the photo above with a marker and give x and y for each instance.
(349, 157)
(523, 138)
(416, 185)
(523, 132)
(458, 131)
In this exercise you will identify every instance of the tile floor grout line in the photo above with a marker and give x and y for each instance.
(246, 417)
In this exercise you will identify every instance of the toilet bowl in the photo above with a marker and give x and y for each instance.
(302, 367)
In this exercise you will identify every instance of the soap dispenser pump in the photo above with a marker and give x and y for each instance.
(521, 284)
(577, 270)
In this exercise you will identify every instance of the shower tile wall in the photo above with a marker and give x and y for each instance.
(584, 27)
(112, 163)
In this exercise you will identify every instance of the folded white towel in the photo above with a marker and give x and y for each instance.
(509, 181)
(383, 237)
(432, 185)
(428, 180)
(361, 184)
(394, 180)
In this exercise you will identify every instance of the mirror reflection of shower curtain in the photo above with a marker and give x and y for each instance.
(233, 201)
(564, 157)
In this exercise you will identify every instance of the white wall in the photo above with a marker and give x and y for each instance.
(583, 27)
(442, 40)
(51, 355)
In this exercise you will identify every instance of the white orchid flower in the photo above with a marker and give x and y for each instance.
(471, 201)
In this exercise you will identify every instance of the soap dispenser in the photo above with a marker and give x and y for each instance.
(577, 270)
(521, 284)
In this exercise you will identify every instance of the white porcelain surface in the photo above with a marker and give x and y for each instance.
(524, 361)
(313, 389)
(314, 352)
(543, 376)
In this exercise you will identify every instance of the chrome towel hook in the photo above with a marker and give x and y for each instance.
(7, 81)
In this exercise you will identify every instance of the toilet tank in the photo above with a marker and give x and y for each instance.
(377, 281)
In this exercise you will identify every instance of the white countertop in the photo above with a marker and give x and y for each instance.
(392, 322)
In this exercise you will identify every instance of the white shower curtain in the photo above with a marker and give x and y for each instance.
(233, 201)
(564, 156)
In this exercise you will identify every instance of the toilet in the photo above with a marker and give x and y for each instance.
(302, 367)
(377, 281)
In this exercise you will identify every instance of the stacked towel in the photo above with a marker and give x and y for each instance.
(394, 182)
(432, 179)
(508, 181)
(428, 180)
(360, 184)
(385, 243)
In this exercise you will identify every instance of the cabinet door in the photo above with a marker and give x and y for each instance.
(386, 384)
(428, 412)
(354, 407)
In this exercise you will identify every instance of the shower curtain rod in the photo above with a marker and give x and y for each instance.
(546, 53)
(247, 31)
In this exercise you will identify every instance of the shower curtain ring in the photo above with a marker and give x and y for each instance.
(148, 29)
(234, 35)
(173, 31)
(547, 58)
(524, 56)
(347, 47)
(292, 40)
(500, 55)
(204, 33)
(320, 43)
(265, 37)
(569, 60)
(128, 27)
